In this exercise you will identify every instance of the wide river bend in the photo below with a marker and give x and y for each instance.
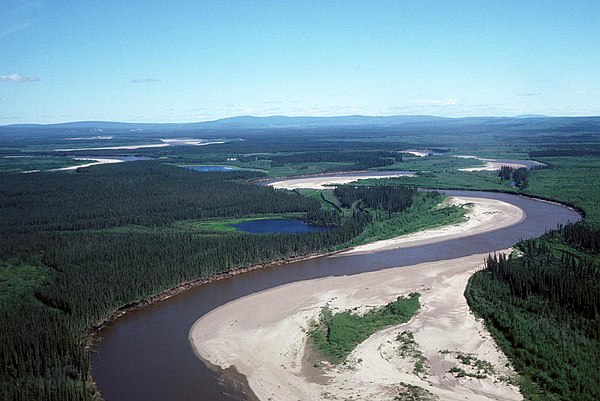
(146, 354)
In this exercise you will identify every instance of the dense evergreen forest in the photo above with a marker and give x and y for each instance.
(543, 309)
(360, 160)
(71, 255)
(390, 198)
(111, 228)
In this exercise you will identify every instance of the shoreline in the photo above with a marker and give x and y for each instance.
(373, 369)
(275, 348)
(94, 332)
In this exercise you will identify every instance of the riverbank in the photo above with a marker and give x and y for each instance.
(484, 215)
(327, 180)
(265, 335)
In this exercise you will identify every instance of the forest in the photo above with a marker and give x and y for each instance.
(64, 234)
(543, 309)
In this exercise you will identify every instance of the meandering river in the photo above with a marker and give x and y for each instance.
(146, 354)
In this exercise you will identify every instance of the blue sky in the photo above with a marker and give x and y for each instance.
(179, 61)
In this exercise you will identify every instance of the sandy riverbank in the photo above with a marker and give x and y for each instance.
(94, 162)
(484, 215)
(495, 165)
(264, 335)
(322, 181)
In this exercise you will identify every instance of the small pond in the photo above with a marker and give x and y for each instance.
(210, 169)
(277, 226)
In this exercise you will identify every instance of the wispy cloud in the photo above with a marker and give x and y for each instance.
(14, 28)
(437, 102)
(18, 78)
(144, 80)
(528, 94)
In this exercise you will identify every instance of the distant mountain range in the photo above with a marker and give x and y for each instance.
(245, 122)
(282, 122)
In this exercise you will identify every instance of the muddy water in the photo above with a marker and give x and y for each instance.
(146, 354)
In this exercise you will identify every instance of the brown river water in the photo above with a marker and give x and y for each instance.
(146, 354)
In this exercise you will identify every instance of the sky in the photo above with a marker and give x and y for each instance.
(183, 61)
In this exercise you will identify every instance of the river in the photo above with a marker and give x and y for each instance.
(146, 354)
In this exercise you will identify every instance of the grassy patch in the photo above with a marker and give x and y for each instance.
(337, 334)
(410, 392)
(572, 180)
(410, 349)
(18, 282)
(18, 164)
(460, 372)
(477, 368)
(325, 197)
(226, 225)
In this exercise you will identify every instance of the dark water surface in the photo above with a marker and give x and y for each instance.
(272, 226)
(146, 354)
(209, 169)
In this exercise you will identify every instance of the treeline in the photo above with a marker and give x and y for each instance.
(393, 199)
(361, 160)
(144, 193)
(580, 236)
(565, 152)
(57, 222)
(517, 175)
(323, 217)
(544, 311)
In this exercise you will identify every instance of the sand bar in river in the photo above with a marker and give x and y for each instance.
(264, 335)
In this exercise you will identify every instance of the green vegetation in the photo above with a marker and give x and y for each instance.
(453, 179)
(76, 247)
(460, 372)
(19, 281)
(410, 392)
(570, 180)
(10, 164)
(427, 211)
(477, 368)
(337, 334)
(282, 164)
(543, 309)
(226, 225)
(410, 349)
(325, 197)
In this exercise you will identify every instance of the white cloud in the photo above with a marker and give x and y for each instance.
(144, 80)
(437, 102)
(17, 78)
(528, 94)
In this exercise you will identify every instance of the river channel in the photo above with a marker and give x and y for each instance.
(146, 354)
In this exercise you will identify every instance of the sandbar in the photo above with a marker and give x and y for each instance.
(323, 181)
(264, 335)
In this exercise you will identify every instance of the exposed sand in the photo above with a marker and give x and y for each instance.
(484, 215)
(124, 147)
(416, 152)
(264, 335)
(165, 143)
(95, 162)
(495, 165)
(322, 181)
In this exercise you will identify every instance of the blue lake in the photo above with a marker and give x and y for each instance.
(209, 169)
(276, 226)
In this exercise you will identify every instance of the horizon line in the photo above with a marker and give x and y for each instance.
(526, 115)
